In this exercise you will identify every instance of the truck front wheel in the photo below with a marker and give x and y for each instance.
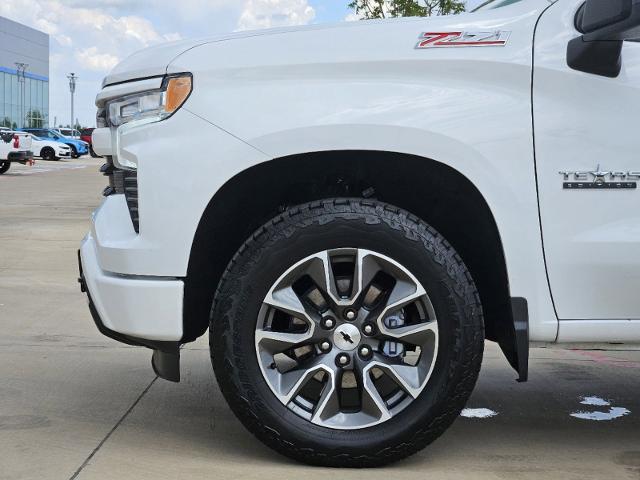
(346, 333)
(4, 167)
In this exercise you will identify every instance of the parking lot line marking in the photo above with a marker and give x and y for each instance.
(43, 169)
(115, 427)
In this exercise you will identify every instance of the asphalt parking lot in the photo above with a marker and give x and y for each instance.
(74, 404)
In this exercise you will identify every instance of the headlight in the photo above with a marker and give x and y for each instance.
(153, 105)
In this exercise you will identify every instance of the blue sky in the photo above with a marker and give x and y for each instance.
(330, 10)
(89, 37)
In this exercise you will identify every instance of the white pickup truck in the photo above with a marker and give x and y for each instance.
(14, 147)
(352, 209)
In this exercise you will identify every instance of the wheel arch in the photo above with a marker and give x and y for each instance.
(434, 191)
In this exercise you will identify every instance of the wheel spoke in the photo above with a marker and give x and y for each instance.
(407, 377)
(318, 268)
(366, 268)
(330, 280)
(403, 294)
(418, 334)
(276, 342)
(286, 300)
(329, 402)
(372, 402)
(290, 383)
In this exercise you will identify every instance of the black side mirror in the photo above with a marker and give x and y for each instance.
(605, 24)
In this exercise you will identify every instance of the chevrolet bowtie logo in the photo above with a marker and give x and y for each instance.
(346, 337)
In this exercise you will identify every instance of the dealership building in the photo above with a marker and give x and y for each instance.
(24, 76)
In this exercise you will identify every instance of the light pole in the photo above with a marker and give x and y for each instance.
(21, 69)
(72, 88)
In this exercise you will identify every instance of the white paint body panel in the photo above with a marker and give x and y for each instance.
(599, 331)
(591, 237)
(142, 308)
(170, 205)
(365, 87)
(362, 86)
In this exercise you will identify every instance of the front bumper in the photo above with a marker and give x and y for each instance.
(149, 301)
(140, 307)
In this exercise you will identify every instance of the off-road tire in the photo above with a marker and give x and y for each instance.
(4, 167)
(336, 223)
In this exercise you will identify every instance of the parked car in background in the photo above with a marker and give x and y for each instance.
(85, 136)
(49, 149)
(78, 147)
(68, 132)
(14, 147)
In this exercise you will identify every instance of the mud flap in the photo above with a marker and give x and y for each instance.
(515, 343)
(166, 364)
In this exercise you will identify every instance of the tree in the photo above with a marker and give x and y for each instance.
(405, 8)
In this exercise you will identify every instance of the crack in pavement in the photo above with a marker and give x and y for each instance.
(115, 427)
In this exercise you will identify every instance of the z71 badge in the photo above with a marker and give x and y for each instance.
(496, 38)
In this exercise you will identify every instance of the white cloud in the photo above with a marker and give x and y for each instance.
(275, 13)
(172, 37)
(352, 17)
(64, 40)
(92, 59)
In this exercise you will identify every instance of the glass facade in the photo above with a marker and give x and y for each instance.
(23, 104)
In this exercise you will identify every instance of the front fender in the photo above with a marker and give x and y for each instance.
(366, 87)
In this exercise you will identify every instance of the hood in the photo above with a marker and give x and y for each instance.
(150, 62)
(154, 61)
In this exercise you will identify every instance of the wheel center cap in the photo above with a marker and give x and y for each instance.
(346, 337)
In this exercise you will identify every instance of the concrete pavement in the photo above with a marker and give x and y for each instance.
(74, 404)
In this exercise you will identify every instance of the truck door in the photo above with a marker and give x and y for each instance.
(587, 146)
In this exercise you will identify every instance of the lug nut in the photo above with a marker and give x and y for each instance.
(350, 314)
(365, 351)
(343, 360)
(325, 346)
(328, 323)
(368, 329)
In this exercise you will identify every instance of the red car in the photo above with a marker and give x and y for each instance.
(85, 136)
